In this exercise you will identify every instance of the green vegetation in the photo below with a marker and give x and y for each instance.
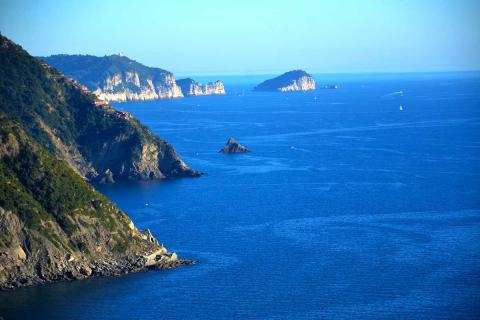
(53, 133)
(38, 188)
(64, 118)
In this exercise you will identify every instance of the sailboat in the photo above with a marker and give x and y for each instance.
(401, 108)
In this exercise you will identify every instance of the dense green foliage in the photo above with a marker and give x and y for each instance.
(30, 92)
(68, 120)
(38, 187)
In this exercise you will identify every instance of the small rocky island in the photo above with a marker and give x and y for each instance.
(191, 87)
(330, 86)
(232, 146)
(296, 80)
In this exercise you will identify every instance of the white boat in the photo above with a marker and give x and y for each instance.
(401, 108)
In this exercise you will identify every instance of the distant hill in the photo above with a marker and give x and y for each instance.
(296, 80)
(53, 224)
(118, 78)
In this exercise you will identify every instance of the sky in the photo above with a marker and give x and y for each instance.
(255, 36)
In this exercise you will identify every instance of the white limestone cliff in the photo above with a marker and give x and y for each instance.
(191, 87)
(130, 86)
(304, 83)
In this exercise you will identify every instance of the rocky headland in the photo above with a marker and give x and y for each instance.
(97, 141)
(54, 226)
(55, 134)
(296, 80)
(118, 78)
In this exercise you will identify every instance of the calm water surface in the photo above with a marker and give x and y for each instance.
(346, 208)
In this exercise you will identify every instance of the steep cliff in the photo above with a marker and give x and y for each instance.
(55, 226)
(192, 88)
(296, 80)
(116, 77)
(67, 119)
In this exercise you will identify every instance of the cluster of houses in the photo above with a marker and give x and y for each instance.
(123, 114)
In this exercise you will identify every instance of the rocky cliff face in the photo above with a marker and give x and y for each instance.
(297, 80)
(192, 88)
(118, 78)
(66, 118)
(127, 86)
(55, 226)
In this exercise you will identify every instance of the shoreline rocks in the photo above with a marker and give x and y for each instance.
(52, 268)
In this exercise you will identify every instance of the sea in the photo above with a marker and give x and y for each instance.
(361, 202)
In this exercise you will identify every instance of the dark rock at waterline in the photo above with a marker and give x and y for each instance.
(107, 177)
(232, 146)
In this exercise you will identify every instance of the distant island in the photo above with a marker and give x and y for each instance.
(119, 78)
(296, 80)
(330, 86)
(191, 87)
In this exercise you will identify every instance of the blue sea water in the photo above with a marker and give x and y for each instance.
(346, 208)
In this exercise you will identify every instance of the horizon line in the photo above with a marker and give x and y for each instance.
(366, 72)
(271, 73)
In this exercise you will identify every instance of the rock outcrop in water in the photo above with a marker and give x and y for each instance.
(232, 146)
(66, 118)
(297, 80)
(192, 88)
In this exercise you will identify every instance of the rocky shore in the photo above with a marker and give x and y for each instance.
(71, 267)
(28, 257)
(103, 268)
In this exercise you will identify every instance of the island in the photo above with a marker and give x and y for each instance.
(296, 80)
(330, 86)
(191, 87)
(232, 146)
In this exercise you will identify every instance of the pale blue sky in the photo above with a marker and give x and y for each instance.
(255, 36)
